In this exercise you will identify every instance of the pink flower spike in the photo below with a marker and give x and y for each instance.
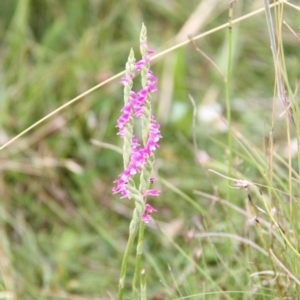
(136, 105)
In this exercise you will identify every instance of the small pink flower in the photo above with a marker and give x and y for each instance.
(152, 179)
(153, 193)
(152, 88)
(147, 212)
(121, 188)
(124, 80)
(139, 65)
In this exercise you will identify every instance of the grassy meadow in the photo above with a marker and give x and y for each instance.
(228, 167)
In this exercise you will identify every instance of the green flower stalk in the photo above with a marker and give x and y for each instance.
(137, 158)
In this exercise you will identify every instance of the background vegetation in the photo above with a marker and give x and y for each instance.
(63, 233)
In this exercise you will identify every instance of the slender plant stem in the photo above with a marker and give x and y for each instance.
(125, 260)
(288, 113)
(288, 242)
(280, 84)
(148, 166)
(273, 46)
(228, 97)
(137, 271)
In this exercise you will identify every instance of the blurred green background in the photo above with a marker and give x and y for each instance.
(62, 232)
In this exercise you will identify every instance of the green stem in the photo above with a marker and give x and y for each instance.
(147, 168)
(228, 98)
(125, 258)
(138, 258)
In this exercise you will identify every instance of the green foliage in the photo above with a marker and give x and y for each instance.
(63, 233)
